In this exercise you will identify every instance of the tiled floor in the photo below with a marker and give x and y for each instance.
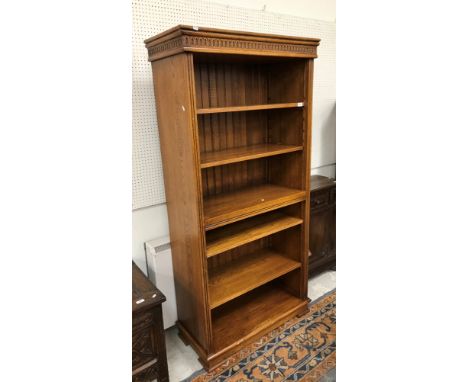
(183, 361)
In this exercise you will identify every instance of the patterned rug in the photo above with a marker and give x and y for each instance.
(303, 349)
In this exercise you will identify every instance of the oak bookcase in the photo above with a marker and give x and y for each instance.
(234, 117)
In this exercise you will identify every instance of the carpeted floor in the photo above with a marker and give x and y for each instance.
(303, 349)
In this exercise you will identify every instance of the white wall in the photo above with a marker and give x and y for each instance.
(151, 222)
(148, 223)
(312, 9)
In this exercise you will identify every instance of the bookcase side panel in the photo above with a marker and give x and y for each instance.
(176, 119)
(308, 91)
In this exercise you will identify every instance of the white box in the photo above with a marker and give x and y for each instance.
(160, 272)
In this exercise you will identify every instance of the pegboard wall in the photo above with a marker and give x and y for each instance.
(151, 17)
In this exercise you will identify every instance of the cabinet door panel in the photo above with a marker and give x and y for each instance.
(322, 231)
(143, 349)
(332, 195)
(319, 235)
(319, 199)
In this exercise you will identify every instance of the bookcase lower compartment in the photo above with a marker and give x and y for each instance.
(245, 319)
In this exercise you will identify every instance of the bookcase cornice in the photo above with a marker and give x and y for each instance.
(209, 40)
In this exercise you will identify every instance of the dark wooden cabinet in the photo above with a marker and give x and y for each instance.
(149, 361)
(234, 118)
(322, 229)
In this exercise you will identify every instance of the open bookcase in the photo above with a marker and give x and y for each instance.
(234, 117)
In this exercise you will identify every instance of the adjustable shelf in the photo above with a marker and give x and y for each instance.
(245, 153)
(232, 109)
(229, 207)
(246, 231)
(234, 119)
(246, 273)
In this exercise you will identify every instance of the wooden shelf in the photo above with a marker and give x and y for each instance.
(231, 109)
(240, 276)
(246, 231)
(229, 207)
(252, 314)
(241, 154)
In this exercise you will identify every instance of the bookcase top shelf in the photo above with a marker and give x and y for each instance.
(233, 109)
(185, 38)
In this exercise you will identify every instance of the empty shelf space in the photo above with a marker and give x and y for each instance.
(253, 314)
(225, 208)
(246, 231)
(231, 109)
(240, 276)
(240, 154)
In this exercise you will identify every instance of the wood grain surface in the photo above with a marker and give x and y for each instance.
(246, 231)
(247, 273)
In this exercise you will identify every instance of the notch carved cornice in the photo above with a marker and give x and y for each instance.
(207, 40)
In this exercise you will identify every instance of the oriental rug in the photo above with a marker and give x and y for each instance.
(302, 349)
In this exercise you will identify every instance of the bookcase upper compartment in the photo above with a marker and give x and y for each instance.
(226, 83)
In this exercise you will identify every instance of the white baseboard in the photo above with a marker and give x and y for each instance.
(328, 170)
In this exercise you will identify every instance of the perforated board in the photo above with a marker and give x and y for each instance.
(151, 17)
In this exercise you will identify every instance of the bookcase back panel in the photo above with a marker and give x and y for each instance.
(228, 130)
(234, 176)
(233, 254)
(291, 282)
(227, 84)
(286, 81)
(287, 242)
(293, 178)
(286, 126)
